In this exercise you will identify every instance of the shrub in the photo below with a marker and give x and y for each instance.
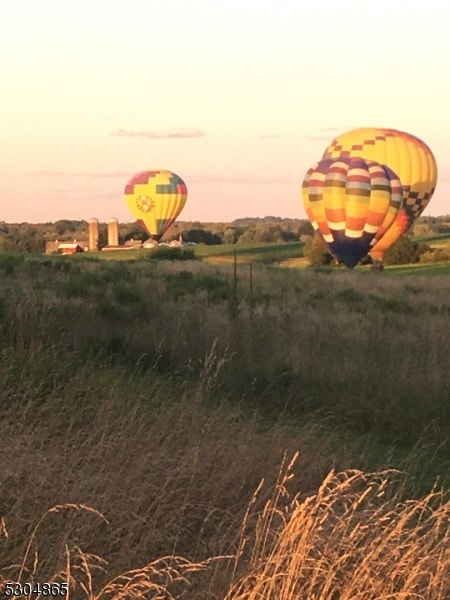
(173, 254)
(405, 251)
(317, 252)
(185, 282)
(435, 255)
(125, 294)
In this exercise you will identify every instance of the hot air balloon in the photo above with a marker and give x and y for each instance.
(155, 199)
(408, 156)
(351, 202)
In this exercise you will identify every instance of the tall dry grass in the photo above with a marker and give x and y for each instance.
(353, 538)
(349, 540)
(170, 475)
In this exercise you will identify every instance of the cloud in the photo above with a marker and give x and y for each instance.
(237, 177)
(329, 129)
(326, 134)
(96, 174)
(319, 138)
(242, 178)
(45, 173)
(176, 134)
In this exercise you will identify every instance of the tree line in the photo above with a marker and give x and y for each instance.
(32, 237)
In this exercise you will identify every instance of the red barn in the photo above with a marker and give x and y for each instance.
(69, 248)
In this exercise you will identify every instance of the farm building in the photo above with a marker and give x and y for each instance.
(133, 243)
(70, 248)
(74, 247)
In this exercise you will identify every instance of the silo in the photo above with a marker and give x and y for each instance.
(93, 235)
(113, 232)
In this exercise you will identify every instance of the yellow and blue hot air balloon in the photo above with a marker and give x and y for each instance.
(351, 202)
(155, 199)
(408, 156)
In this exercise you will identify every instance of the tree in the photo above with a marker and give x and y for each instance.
(305, 228)
(405, 251)
(200, 236)
(317, 252)
(231, 235)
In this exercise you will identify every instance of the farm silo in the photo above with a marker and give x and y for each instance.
(113, 232)
(93, 235)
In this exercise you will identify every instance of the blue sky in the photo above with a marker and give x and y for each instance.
(239, 99)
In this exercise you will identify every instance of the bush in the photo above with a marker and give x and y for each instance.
(184, 283)
(200, 236)
(173, 254)
(435, 255)
(316, 252)
(405, 251)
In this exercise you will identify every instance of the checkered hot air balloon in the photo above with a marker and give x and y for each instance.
(155, 199)
(351, 202)
(408, 156)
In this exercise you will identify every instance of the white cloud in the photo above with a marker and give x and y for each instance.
(175, 134)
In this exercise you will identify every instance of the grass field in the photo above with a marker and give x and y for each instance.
(439, 240)
(420, 269)
(167, 432)
(266, 253)
(276, 254)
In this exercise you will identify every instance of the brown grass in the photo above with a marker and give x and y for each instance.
(347, 541)
(351, 539)
(189, 501)
(173, 479)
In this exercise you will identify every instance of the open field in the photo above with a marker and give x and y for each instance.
(438, 240)
(420, 269)
(278, 441)
(288, 255)
(265, 253)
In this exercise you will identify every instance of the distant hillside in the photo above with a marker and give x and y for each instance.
(32, 237)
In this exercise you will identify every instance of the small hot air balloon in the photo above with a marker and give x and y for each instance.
(351, 202)
(155, 199)
(408, 156)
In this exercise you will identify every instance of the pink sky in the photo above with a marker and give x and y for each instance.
(238, 99)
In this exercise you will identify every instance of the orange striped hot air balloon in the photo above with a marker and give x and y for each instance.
(155, 199)
(351, 202)
(408, 156)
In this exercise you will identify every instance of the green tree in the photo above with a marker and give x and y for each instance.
(231, 235)
(316, 251)
(200, 236)
(404, 251)
(305, 228)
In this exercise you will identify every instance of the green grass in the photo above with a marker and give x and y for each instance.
(432, 239)
(114, 255)
(269, 254)
(253, 252)
(294, 341)
(419, 269)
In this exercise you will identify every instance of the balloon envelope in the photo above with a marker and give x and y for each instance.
(155, 199)
(408, 156)
(351, 202)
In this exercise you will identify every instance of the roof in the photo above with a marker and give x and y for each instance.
(69, 245)
(51, 247)
(150, 243)
(112, 247)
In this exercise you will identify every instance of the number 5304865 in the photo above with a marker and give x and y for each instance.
(53, 590)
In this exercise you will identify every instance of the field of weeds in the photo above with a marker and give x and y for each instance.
(169, 431)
